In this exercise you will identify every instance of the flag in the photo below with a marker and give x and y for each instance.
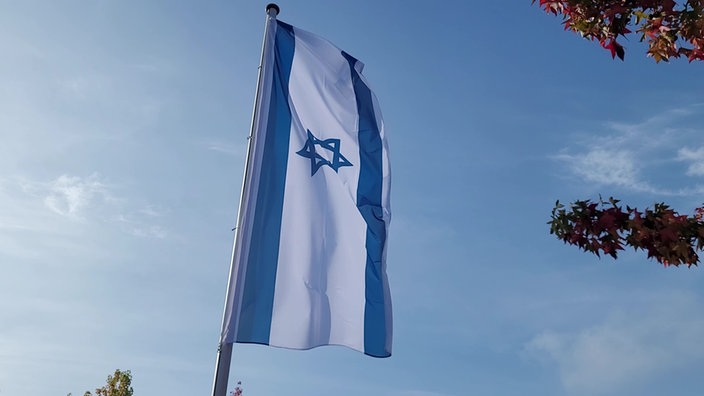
(309, 263)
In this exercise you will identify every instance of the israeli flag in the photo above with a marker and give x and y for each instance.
(309, 263)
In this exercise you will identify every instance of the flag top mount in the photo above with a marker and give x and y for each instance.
(273, 6)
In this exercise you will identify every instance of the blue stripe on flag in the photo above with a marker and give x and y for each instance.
(369, 204)
(258, 294)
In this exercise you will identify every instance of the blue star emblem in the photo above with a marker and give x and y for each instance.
(317, 160)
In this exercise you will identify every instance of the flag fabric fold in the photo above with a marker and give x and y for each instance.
(309, 262)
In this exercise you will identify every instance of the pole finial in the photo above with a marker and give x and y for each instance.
(274, 7)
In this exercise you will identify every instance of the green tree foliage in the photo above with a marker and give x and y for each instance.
(671, 28)
(118, 384)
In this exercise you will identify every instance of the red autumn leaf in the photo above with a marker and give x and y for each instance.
(615, 48)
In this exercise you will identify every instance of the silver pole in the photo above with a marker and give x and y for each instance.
(224, 355)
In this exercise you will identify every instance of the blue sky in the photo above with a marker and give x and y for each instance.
(123, 128)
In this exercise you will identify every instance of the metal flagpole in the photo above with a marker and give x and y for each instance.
(224, 355)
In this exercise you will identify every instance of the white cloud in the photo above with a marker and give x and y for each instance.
(152, 231)
(634, 155)
(696, 157)
(80, 200)
(140, 223)
(628, 348)
(70, 195)
(236, 150)
(609, 167)
(151, 211)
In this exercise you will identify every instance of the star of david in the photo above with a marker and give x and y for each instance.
(317, 160)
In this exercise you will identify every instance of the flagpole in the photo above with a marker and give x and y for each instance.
(224, 354)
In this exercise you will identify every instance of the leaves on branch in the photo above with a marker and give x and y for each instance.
(605, 227)
(118, 384)
(238, 390)
(671, 28)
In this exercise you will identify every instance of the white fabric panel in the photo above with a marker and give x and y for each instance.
(323, 271)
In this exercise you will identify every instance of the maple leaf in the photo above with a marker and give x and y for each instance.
(615, 48)
(668, 235)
